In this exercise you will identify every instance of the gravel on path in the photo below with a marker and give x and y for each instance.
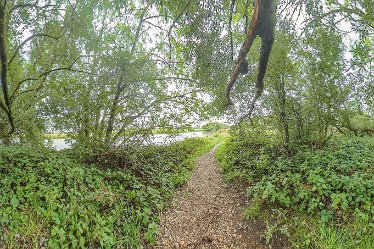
(207, 213)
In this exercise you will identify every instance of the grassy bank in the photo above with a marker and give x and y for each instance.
(176, 131)
(90, 199)
(312, 197)
(56, 135)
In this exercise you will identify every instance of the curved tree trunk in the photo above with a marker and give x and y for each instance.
(263, 25)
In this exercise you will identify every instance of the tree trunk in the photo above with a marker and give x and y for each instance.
(113, 110)
(262, 25)
(282, 114)
(6, 103)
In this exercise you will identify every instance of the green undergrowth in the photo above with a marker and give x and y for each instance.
(56, 135)
(314, 197)
(90, 198)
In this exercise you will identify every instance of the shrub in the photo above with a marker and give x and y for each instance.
(334, 184)
(92, 198)
(214, 126)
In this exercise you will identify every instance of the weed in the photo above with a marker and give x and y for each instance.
(329, 188)
(90, 198)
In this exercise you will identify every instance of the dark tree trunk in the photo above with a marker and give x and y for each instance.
(282, 114)
(5, 104)
(113, 112)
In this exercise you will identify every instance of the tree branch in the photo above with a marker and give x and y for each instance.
(69, 68)
(26, 41)
(164, 78)
(230, 29)
(251, 35)
(263, 25)
(146, 109)
(137, 34)
(173, 25)
(29, 5)
(3, 106)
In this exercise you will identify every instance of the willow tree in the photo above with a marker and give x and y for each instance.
(128, 83)
(32, 39)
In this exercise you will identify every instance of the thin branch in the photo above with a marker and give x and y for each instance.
(345, 11)
(146, 109)
(164, 78)
(69, 68)
(173, 25)
(137, 34)
(31, 90)
(29, 5)
(156, 16)
(230, 29)
(180, 14)
(26, 41)
(156, 26)
(251, 107)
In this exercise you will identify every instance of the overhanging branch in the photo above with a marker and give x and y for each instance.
(26, 41)
(147, 108)
(263, 25)
(46, 73)
(29, 5)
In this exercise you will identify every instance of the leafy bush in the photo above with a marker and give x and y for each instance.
(335, 184)
(214, 126)
(54, 199)
(362, 123)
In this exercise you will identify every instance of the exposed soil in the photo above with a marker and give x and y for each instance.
(206, 213)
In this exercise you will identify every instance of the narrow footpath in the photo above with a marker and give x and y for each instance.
(206, 213)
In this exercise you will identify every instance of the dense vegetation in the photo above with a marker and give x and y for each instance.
(103, 71)
(214, 126)
(109, 74)
(92, 198)
(316, 197)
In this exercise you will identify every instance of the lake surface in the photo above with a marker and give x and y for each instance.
(60, 144)
(158, 139)
(161, 139)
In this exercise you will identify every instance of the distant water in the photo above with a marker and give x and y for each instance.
(158, 139)
(60, 143)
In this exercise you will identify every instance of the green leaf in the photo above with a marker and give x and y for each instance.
(14, 201)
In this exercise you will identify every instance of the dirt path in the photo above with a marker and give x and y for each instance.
(207, 213)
